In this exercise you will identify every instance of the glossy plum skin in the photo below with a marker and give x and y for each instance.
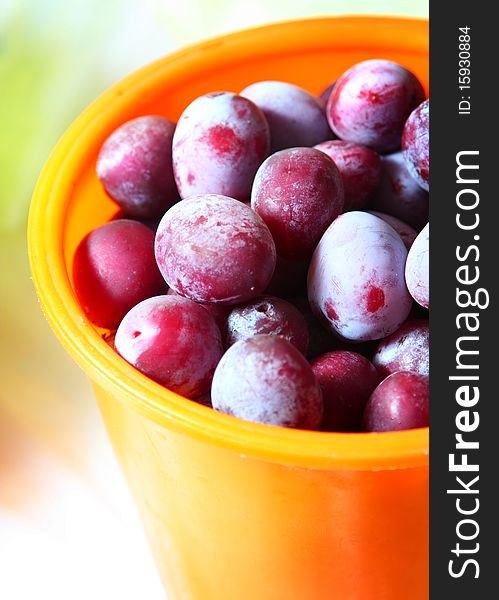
(398, 193)
(295, 117)
(370, 104)
(417, 268)
(407, 349)
(172, 340)
(406, 232)
(360, 169)
(416, 144)
(135, 167)
(220, 141)
(114, 269)
(298, 192)
(356, 278)
(401, 401)
(270, 316)
(347, 379)
(214, 249)
(265, 379)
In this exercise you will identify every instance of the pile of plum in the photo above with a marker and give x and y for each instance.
(270, 256)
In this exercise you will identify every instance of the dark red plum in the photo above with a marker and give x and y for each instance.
(298, 192)
(214, 249)
(416, 144)
(399, 195)
(417, 268)
(356, 281)
(407, 349)
(347, 379)
(173, 341)
(135, 167)
(114, 269)
(401, 401)
(270, 316)
(370, 104)
(295, 117)
(360, 169)
(265, 379)
(220, 141)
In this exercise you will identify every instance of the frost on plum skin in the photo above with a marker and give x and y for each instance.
(356, 281)
(371, 101)
(172, 340)
(298, 192)
(407, 349)
(265, 379)
(295, 117)
(214, 249)
(417, 268)
(416, 144)
(114, 269)
(406, 232)
(220, 141)
(398, 193)
(401, 401)
(360, 169)
(270, 316)
(347, 379)
(135, 167)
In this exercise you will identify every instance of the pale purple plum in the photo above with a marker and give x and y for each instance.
(295, 117)
(265, 379)
(356, 280)
(220, 141)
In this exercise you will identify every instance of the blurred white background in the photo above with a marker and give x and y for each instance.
(67, 525)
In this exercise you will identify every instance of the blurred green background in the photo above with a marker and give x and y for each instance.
(60, 489)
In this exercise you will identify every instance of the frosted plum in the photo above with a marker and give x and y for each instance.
(135, 167)
(401, 401)
(214, 249)
(347, 379)
(371, 101)
(265, 379)
(270, 316)
(416, 144)
(406, 232)
(356, 278)
(407, 349)
(219, 143)
(172, 340)
(360, 169)
(399, 194)
(298, 192)
(418, 267)
(113, 269)
(295, 117)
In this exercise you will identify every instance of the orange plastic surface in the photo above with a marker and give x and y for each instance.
(236, 509)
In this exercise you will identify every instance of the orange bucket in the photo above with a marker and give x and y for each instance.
(235, 509)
